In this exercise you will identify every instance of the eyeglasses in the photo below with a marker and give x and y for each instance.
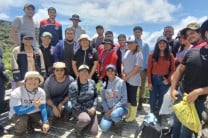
(59, 70)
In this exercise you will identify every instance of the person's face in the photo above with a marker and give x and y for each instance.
(100, 31)
(122, 41)
(138, 34)
(52, 14)
(28, 41)
(84, 74)
(182, 40)
(84, 43)
(29, 11)
(168, 32)
(59, 72)
(107, 47)
(46, 40)
(110, 74)
(75, 22)
(109, 36)
(132, 46)
(69, 35)
(32, 82)
(193, 36)
(162, 45)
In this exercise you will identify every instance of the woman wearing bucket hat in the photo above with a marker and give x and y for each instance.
(57, 96)
(83, 94)
(28, 105)
(114, 100)
(130, 68)
(85, 55)
(161, 65)
(106, 56)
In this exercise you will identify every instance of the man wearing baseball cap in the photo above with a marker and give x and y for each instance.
(24, 24)
(194, 36)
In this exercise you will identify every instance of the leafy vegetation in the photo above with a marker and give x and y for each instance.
(6, 44)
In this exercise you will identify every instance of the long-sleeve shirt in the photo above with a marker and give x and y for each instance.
(115, 95)
(145, 52)
(84, 98)
(21, 102)
(161, 67)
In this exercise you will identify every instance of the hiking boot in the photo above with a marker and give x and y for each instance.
(140, 107)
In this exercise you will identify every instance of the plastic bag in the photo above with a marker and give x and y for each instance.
(187, 115)
(166, 108)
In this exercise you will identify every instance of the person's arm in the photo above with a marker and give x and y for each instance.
(74, 67)
(42, 64)
(175, 79)
(14, 30)
(172, 67)
(104, 101)
(145, 55)
(93, 68)
(63, 102)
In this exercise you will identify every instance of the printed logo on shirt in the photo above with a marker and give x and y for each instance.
(27, 102)
(56, 28)
(111, 94)
(90, 56)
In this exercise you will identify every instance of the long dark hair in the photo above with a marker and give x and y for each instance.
(156, 52)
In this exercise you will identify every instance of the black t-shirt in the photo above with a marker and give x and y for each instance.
(68, 54)
(86, 57)
(196, 72)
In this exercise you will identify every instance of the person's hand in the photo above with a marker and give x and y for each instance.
(165, 81)
(56, 112)
(150, 86)
(124, 77)
(108, 113)
(174, 94)
(45, 127)
(193, 95)
(91, 111)
(37, 103)
(60, 106)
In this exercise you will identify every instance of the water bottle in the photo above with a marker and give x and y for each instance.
(13, 84)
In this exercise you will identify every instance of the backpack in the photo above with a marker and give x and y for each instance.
(150, 128)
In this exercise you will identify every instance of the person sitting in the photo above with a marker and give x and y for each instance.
(28, 105)
(57, 88)
(114, 100)
(83, 94)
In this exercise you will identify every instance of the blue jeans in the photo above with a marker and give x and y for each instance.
(67, 107)
(116, 116)
(180, 131)
(157, 93)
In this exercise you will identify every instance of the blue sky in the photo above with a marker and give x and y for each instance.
(120, 16)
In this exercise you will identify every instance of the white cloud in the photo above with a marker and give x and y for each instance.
(6, 4)
(119, 12)
(3, 16)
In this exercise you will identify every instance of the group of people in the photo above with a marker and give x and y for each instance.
(59, 76)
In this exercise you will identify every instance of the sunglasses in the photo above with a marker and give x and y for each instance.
(59, 70)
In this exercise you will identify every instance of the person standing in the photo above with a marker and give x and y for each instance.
(52, 26)
(121, 50)
(130, 69)
(25, 58)
(194, 82)
(24, 25)
(83, 94)
(161, 65)
(145, 49)
(99, 39)
(28, 106)
(107, 56)
(75, 26)
(65, 50)
(4, 78)
(86, 55)
(114, 100)
(47, 51)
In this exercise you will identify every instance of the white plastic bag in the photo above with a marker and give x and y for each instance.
(166, 108)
